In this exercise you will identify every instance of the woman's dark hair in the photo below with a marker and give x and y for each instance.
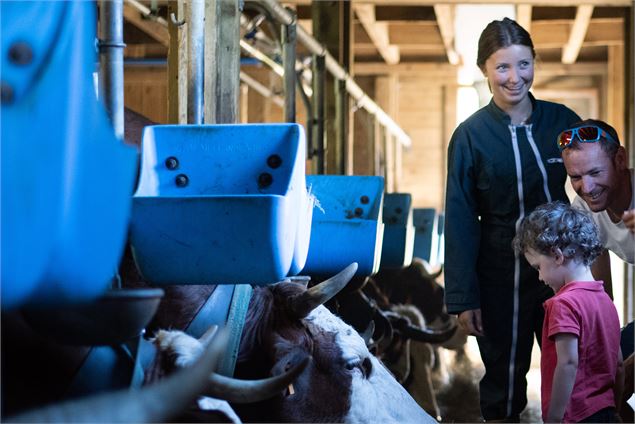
(501, 34)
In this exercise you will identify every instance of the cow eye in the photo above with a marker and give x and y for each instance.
(365, 366)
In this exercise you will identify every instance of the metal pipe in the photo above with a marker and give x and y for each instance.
(289, 41)
(319, 82)
(361, 99)
(307, 107)
(275, 67)
(111, 47)
(341, 131)
(196, 60)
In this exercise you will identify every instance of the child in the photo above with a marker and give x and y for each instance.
(580, 363)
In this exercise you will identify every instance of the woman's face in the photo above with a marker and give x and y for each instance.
(510, 72)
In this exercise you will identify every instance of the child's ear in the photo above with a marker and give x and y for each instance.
(558, 255)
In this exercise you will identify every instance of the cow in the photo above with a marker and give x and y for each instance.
(403, 303)
(287, 324)
(156, 403)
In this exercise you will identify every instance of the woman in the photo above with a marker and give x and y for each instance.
(503, 162)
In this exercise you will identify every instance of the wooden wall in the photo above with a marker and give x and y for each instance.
(145, 92)
(426, 112)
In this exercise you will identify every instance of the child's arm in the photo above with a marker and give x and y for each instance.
(564, 376)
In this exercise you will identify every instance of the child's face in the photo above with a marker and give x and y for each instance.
(550, 269)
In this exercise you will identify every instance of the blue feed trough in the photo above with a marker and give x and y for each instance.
(426, 236)
(398, 232)
(346, 225)
(66, 178)
(221, 204)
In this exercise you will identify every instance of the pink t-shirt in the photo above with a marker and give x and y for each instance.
(583, 309)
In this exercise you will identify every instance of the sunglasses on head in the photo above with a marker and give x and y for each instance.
(586, 134)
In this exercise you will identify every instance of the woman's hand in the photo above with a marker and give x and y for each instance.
(471, 322)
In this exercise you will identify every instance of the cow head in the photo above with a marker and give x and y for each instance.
(342, 381)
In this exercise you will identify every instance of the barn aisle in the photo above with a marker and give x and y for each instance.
(458, 399)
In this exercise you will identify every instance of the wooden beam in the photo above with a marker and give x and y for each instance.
(579, 69)
(582, 18)
(616, 99)
(423, 70)
(177, 66)
(601, 32)
(523, 16)
(558, 95)
(554, 3)
(154, 29)
(445, 20)
(446, 71)
(378, 33)
(222, 61)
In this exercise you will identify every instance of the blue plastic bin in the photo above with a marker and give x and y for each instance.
(221, 204)
(426, 244)
(66, 179)
(347, 224)
(399, 231)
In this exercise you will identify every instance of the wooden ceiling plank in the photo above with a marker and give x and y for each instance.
(154, 29)
(523, 16)
(445, 21)
(582, 18)
(421, 70)
(378, 33)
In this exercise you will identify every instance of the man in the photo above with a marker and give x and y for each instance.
(597, 166)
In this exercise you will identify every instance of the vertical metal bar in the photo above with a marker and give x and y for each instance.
(341, 130)
(319, 82)
(377, 144)
(289, 41)
(111, 47)
(196, 50)
(309, 121)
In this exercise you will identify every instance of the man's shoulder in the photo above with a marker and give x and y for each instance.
(578, 203)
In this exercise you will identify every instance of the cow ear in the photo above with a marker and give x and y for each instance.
(301, 305)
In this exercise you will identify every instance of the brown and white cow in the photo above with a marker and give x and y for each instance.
(287, 324)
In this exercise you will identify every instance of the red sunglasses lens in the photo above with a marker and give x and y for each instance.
(588, 133)
(565, 139)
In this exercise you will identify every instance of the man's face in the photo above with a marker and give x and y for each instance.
(593, 175)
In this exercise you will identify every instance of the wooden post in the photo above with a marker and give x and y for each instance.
(222, 61)
(332, 23)
(615, 89)
(177, 65)
(387, 97)
(244, 104)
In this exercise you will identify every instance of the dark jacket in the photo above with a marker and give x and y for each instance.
(497, 174)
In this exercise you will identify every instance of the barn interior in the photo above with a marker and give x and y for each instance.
(377, 87)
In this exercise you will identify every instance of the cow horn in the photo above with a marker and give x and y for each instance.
(368, 333)
(248, 391)
(428, 272)
(301, 305)
(426, 335)
(386, 331)
(159, 402)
